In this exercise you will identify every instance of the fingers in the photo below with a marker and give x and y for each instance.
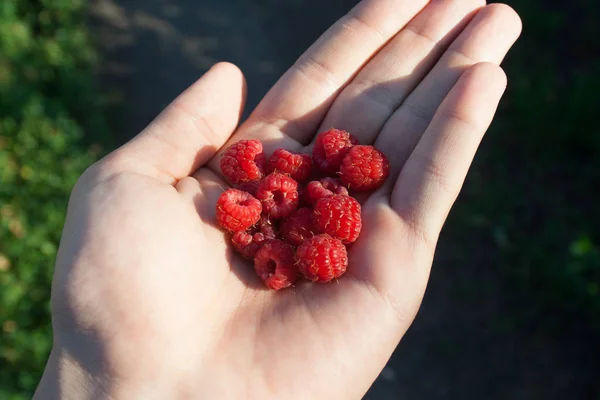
(298, 102)
(434, 173)
(488, 37)
(190, 130)
(384, 83)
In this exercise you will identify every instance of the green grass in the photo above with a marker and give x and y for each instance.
(47, 101)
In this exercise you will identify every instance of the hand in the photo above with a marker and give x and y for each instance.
(150, 302)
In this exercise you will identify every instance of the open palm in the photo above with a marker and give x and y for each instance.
(150, 302)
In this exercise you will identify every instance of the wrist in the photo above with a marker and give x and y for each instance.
(66, 378)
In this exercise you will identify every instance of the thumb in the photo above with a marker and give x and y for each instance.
(191, 129)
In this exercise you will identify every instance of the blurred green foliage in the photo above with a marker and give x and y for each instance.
(47, 101)
(533, 188)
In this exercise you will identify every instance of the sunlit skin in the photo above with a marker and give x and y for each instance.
(150, 302)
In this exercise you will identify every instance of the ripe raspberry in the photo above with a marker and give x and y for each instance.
(248, 242)
(266, 227)
(330, 148)
(244, 161)
(243, 243)
(298, 226)
(339, 217)
(274, 264)
(298, 166)
(364, 168)
(249, 187)
(321, 258)
(324, 188)
(279, 195)
(237, 210)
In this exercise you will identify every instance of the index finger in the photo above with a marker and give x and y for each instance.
(295, 106)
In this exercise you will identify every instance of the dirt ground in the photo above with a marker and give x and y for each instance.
(466, 342)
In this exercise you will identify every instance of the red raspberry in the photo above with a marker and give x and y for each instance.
(298, 226)
(339, 217)
(324, 188)
(330, 148)
(249, 187)
(279, 195)
(275, 264)
(364, 168)
(321, 258)
(266, 227)
(298, 166)
(237, 210)
(243, 243)
(244, 161)
(248, 242)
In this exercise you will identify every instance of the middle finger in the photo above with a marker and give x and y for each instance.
(386, 81)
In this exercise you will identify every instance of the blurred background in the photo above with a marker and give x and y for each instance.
(513, 307)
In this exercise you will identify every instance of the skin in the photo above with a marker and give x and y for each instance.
(150, 302)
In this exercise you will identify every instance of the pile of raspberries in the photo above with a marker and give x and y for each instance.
(290, 218)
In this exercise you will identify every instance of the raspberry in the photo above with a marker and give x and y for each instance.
(244, 161)
(298, 226)
(266, 227)
(339, 217)
(330, 148)
(324, 188)
(274, 264)
(249, 187)
(364, 168)
(248, 242)
(243, 243)
(279, 195)
(237, 210)
(321, 258)
(298, 166)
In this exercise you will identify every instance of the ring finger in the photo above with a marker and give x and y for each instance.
(386, 81)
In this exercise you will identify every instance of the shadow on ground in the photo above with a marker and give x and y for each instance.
(154, 49)
(471, 339)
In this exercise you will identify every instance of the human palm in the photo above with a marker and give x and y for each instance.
(149, 301)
